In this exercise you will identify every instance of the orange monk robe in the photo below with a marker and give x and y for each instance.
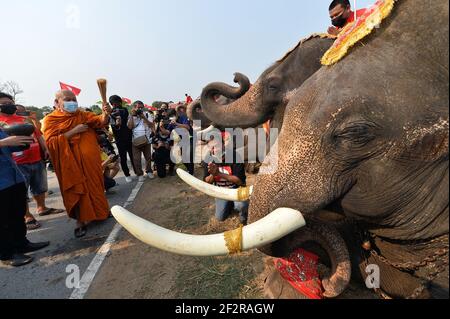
(77, 164)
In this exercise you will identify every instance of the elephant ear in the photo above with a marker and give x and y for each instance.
(428, 142)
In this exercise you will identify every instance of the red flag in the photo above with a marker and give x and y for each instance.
(127, 101)
(150, 107)
(71, 88)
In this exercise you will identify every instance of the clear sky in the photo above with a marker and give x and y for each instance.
(147, 49)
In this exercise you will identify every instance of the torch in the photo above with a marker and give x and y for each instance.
(102, 86)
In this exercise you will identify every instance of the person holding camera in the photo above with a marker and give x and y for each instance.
(180, 121)
(31, 163)
(226, 175)
(122, 134)
(142, 125)
(162, 144)
(13, 198)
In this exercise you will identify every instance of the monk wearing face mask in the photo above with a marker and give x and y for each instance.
(72, 143)
(342, 14)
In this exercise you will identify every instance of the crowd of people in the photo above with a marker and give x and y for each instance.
(86, 152)
(79, 146)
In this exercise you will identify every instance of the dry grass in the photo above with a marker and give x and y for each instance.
(222, 278)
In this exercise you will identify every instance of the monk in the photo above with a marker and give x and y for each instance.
(75, 153)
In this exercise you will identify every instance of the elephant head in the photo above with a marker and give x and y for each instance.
(369, 135)
(366, 129)
(254, 105)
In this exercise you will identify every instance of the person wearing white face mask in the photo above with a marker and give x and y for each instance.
(72, 142)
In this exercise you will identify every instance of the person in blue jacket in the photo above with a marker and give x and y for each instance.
(13, 204)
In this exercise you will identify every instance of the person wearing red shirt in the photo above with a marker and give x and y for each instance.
(30, 162)
(342, 14)
(189, 99)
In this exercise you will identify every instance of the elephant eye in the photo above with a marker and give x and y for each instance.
(274, 84)
(357, 133)
(273, 87)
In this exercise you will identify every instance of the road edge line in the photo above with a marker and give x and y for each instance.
(102, 253)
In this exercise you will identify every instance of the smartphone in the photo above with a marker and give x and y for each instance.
(115, 158)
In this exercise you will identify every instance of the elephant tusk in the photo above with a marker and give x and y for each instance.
(206, 131)
(273, 227)
(241, 194)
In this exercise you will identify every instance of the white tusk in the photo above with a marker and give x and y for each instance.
(233, 195)
(271, 228)
(206, 131)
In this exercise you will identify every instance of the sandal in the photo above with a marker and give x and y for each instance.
(80, 232)
(33, 225)
(51, 211)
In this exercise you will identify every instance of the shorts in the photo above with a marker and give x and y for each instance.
(35, 177)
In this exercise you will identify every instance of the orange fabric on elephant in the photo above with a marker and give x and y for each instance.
(77, 164)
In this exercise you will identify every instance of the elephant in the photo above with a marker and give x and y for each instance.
(366, 139)
(286, 74)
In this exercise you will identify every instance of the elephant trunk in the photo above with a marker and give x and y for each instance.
(195, 113)
(193, 108)
(341, 268)
(241, 113)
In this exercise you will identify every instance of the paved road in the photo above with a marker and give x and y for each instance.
(46, 277)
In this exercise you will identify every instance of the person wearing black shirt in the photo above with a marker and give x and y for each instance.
(162, 144)
(123, 135)
(230, 175)
(182, 122)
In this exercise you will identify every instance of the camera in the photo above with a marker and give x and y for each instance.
(139, 112)
(115, 119)
(159, 116)
(115, 114)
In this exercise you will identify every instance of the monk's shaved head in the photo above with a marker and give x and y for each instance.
(64, 96)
